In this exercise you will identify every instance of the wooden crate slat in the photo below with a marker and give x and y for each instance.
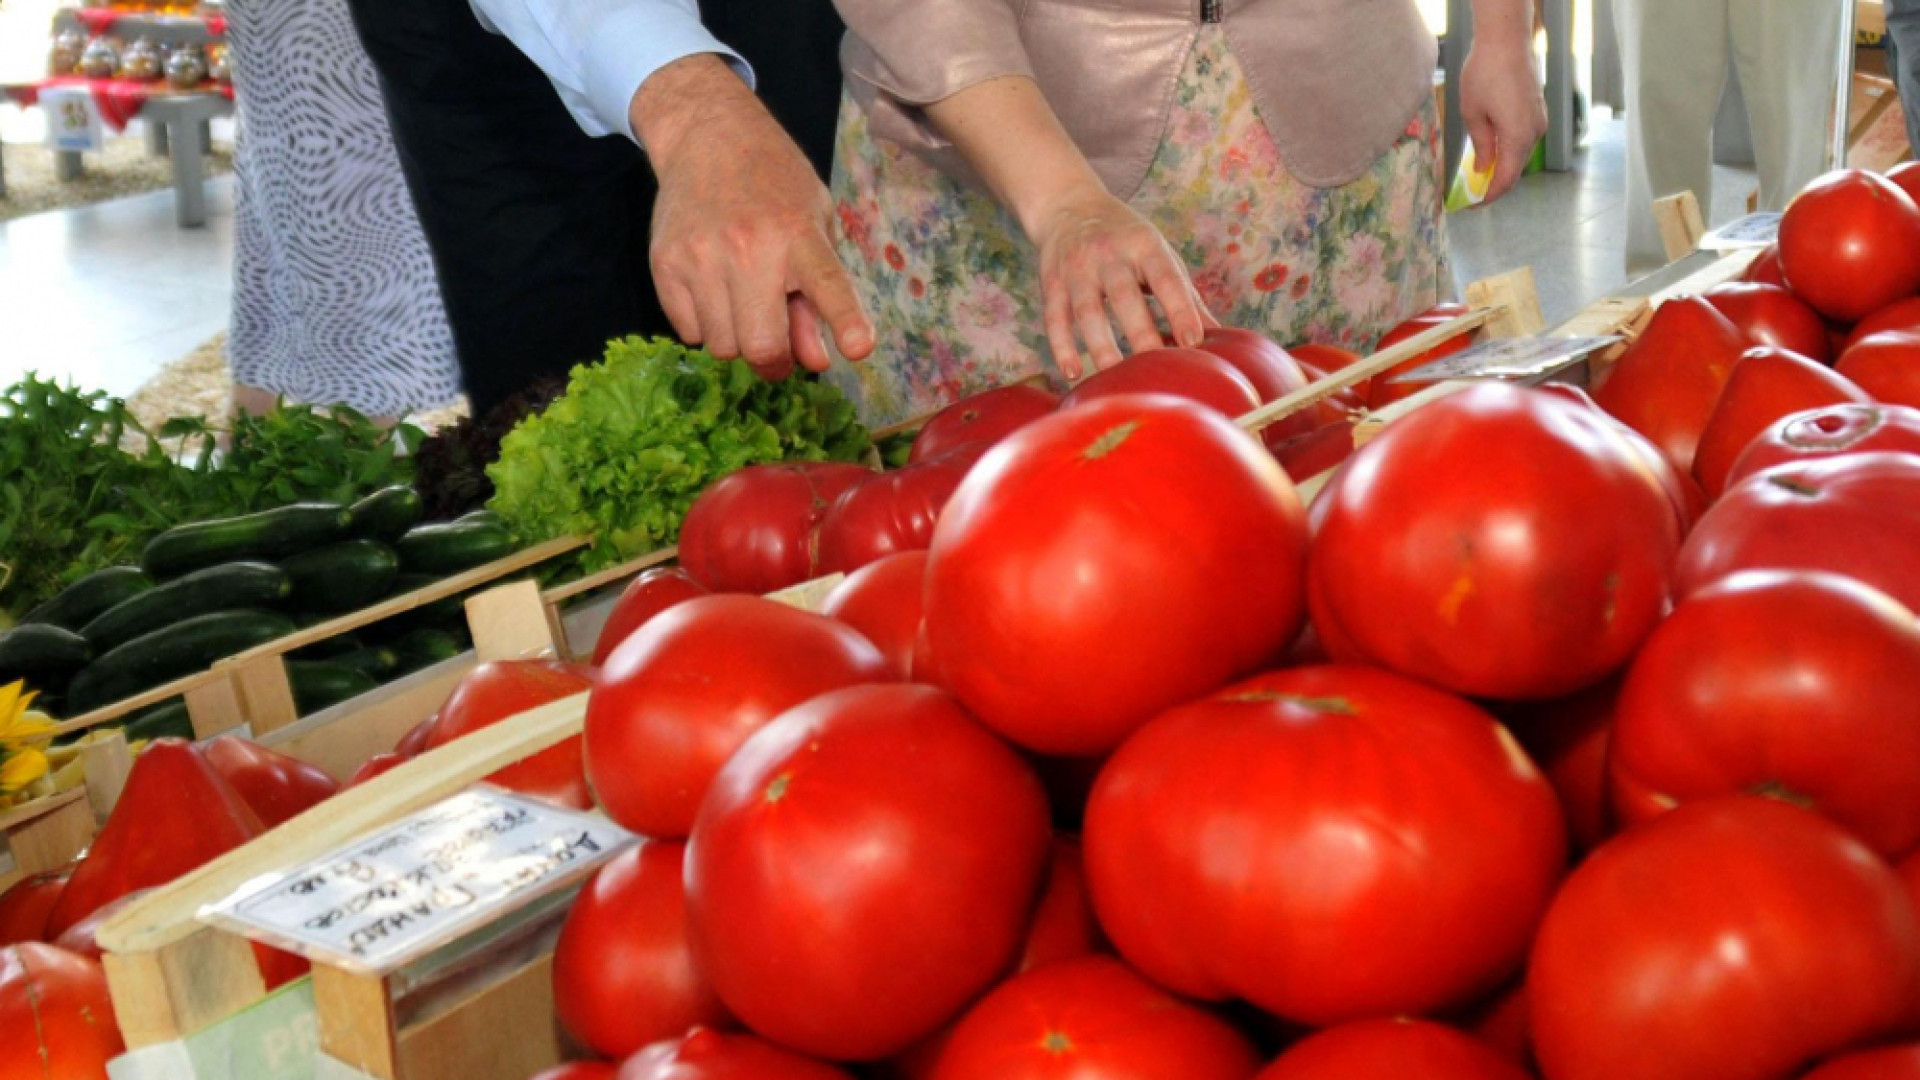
(1280, 408)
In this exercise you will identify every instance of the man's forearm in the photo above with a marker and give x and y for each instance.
(681, 99)
(1503, 22)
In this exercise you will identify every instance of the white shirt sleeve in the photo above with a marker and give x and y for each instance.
(598, 52)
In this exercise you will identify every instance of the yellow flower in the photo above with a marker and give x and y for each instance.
(21, 769)
(17, 724)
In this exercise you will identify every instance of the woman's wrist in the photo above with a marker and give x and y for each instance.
(1052, 207)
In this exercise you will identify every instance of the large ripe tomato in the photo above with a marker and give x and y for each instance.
(1719, 701)
(414, 742)
(1184, 373)
(1850, 244)
(863, 868)
(1320, 361)
(1391, 1050)
(1316, 452)
(377, 765)
(1500, 1022)
(1274, 374)
(675, 701)
(1037, 594)
(579, 1070)
(1381, 389)
(1329, 843)
(1906, 177)
(1887, 1063)
(493, 692)
(1666, 384)
(27, 903)
(1063, 925)
(1568, 739)
(1732, 939)
(56, 1020)
(1772, 315)
(278, 788)
(82, 938)
(1765, 269)
(885, 601)
(1909, 871)
(1767, 384)
(1094, 1018)
(1500, 542)
(704, 1054)
(891, 513)
(646, 596)
(1854, 514)
(1902, 317)
(752, 531)
(1886, 365)
(1689, 502)
(623, 973)
(983, 419)
(1828, 432)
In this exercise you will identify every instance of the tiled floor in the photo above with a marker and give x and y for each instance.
(108, 294)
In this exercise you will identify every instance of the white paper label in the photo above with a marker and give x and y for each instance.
(73, 120)
(384, 901)
(1752, 231)
(1508, 358)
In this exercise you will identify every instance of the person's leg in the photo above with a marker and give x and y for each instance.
(1903, 26)
(1674, 56)
(1788, 53)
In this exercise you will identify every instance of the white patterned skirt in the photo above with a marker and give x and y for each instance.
(335, 299)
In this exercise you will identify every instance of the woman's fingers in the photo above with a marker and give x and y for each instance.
(1122, 284)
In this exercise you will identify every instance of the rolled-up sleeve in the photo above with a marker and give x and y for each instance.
(597, 53)
(928, 50)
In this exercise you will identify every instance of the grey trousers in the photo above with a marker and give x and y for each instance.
(1903, 25)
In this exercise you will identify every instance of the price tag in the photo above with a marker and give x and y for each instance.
(73, 120)
(1752, 231)
(382, 902)
(1509, 358)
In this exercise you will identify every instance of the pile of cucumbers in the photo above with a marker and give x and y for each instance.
(208, 590)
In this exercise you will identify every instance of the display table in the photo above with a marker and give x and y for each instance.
(178, 124)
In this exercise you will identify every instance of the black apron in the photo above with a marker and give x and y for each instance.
(539, 233)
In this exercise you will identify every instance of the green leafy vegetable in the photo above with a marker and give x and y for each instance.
(622, 454)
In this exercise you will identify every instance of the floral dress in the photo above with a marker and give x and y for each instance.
(954, 286)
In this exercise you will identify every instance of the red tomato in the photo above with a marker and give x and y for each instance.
(1274, 375)
(1902, 317)
(1329, 843)
(580, 1070)
(891, 513)
(1319, 451)
(1855, 514)
(1095, 1018)
(623, 973)
(1886, 1063)
(81, 939)
(1183, 373)
(1666, 384)
(860, 957)
(493, 692)
(278, 788)
(1568, 739)
(1828, 432)
(1906, 177)
(1036, 571)
(414, 742)
(56, 1019)
(708, 1055)
(983, 419)
(1886, 366)
(27, 903)
(752, 531)
(675, 702)
(1766, 268)
(1909, 871)
(1320, 361)
(1718, 702)
(1063, 926)
(884, 601)
(1772, 315)
(377, 765)
(1391, 1050)
(1500, 1022)
(1732, 939)
(1381, 389)
(1766, 384)
(1499, 542)
(646, 596)
(1850, 244)
(1689, 502)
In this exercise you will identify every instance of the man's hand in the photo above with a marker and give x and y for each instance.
(742, 255)
(1500, 98)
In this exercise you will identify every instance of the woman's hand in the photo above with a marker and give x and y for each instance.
(1096, 255)
(1500, 97)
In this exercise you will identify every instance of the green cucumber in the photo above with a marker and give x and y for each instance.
(482, 516)
(45, 656)
(227, 587)
(168, 721)
(387, 514)
(451, 548)
(446, 613)
(426, 647)
(320, 685)
(376, 662)
(326, 648)
(78, 603)
(269, 534)
(164, 655)
(346, 576)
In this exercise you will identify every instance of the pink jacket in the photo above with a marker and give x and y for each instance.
(1335, 80)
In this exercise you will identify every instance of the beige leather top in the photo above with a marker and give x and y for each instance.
(1335, 80)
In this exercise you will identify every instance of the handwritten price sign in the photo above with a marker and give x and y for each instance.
(383, 902)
